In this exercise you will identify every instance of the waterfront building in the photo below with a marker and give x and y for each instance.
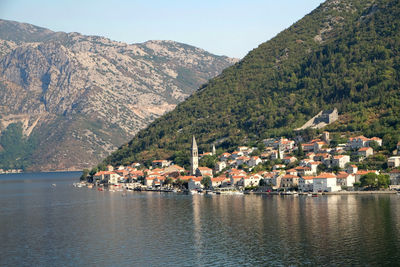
(325, 182)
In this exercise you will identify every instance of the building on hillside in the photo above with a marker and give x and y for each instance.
(340, 161)
(325, 137)
(327, 116)
(289, 181)
(195, 157)
(195, 183)
(365, 152)
(325, 182)
(220, 181)
(306, 183)
(250, 180)
(254, 161)
(394, 177)
(110, 168)
(219, 166)
(345, 179)
(204, 171)
(289, 159)
(394, 162)
(362, 141)
(225, 157)
(352, 169)
(162, 163)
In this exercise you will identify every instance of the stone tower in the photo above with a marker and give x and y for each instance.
(214, 151)
(195, 157)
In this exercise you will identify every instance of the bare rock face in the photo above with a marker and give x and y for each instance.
(80, 97)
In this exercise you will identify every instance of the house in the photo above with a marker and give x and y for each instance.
(365, 152)
(110, 168)
(307, 147)
(289, 181)
(292, 172)
(204, 171)
(276, 180)
(225, 157)
(394, 162)
(235, 179)
(313, 166)
(289, 159)
(362, 141)
(219, 166)
(306, 183)
(220, 181)
(135, 165)
(107, 176)
(251, 180)
(345, 179)
(394, 177)
(304, 171)
(318, 146)
(254, 161)
(352, 169)
(195, 183)
(161, 163)
(236, 154)
(340, 161)
(242, 160)
(285, 144)
(275, 154)
(325, 182)
(278, 166)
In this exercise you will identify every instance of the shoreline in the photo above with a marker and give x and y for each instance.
(332, 193)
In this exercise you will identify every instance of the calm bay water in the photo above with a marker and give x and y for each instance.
(43, 225)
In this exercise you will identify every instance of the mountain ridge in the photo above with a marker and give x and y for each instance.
(89, 94)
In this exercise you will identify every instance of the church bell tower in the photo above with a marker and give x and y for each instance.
(195, 157)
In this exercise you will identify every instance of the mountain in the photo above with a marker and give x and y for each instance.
(344, 55)
(67, 100)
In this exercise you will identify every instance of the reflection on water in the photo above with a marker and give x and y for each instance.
(52, 226)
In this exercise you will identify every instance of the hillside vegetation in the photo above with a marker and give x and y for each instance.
(345, 54)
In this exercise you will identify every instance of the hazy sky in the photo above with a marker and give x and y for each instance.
(223, 27)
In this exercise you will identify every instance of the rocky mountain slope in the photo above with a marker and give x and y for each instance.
(76, 98)
(345, 55)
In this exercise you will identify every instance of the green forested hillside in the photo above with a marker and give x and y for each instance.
(344, 54)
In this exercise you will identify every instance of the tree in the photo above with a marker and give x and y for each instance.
(300, 152)
(383, 181)
(369, 180)
(206, 182)
(84, 175)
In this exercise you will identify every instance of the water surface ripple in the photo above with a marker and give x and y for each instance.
(43, 225)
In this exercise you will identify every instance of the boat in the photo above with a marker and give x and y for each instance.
(314, 194)
(54, 185)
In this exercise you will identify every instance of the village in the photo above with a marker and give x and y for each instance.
(279, 165)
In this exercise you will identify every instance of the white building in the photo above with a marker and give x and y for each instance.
(251, 180)
(195, 183)
(306, 183)
(340, 160)
(345, 179)
(325, 182)
(219, 166)
(254, 161)
(394, 162)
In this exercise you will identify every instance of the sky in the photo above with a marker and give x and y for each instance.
(222, 27)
